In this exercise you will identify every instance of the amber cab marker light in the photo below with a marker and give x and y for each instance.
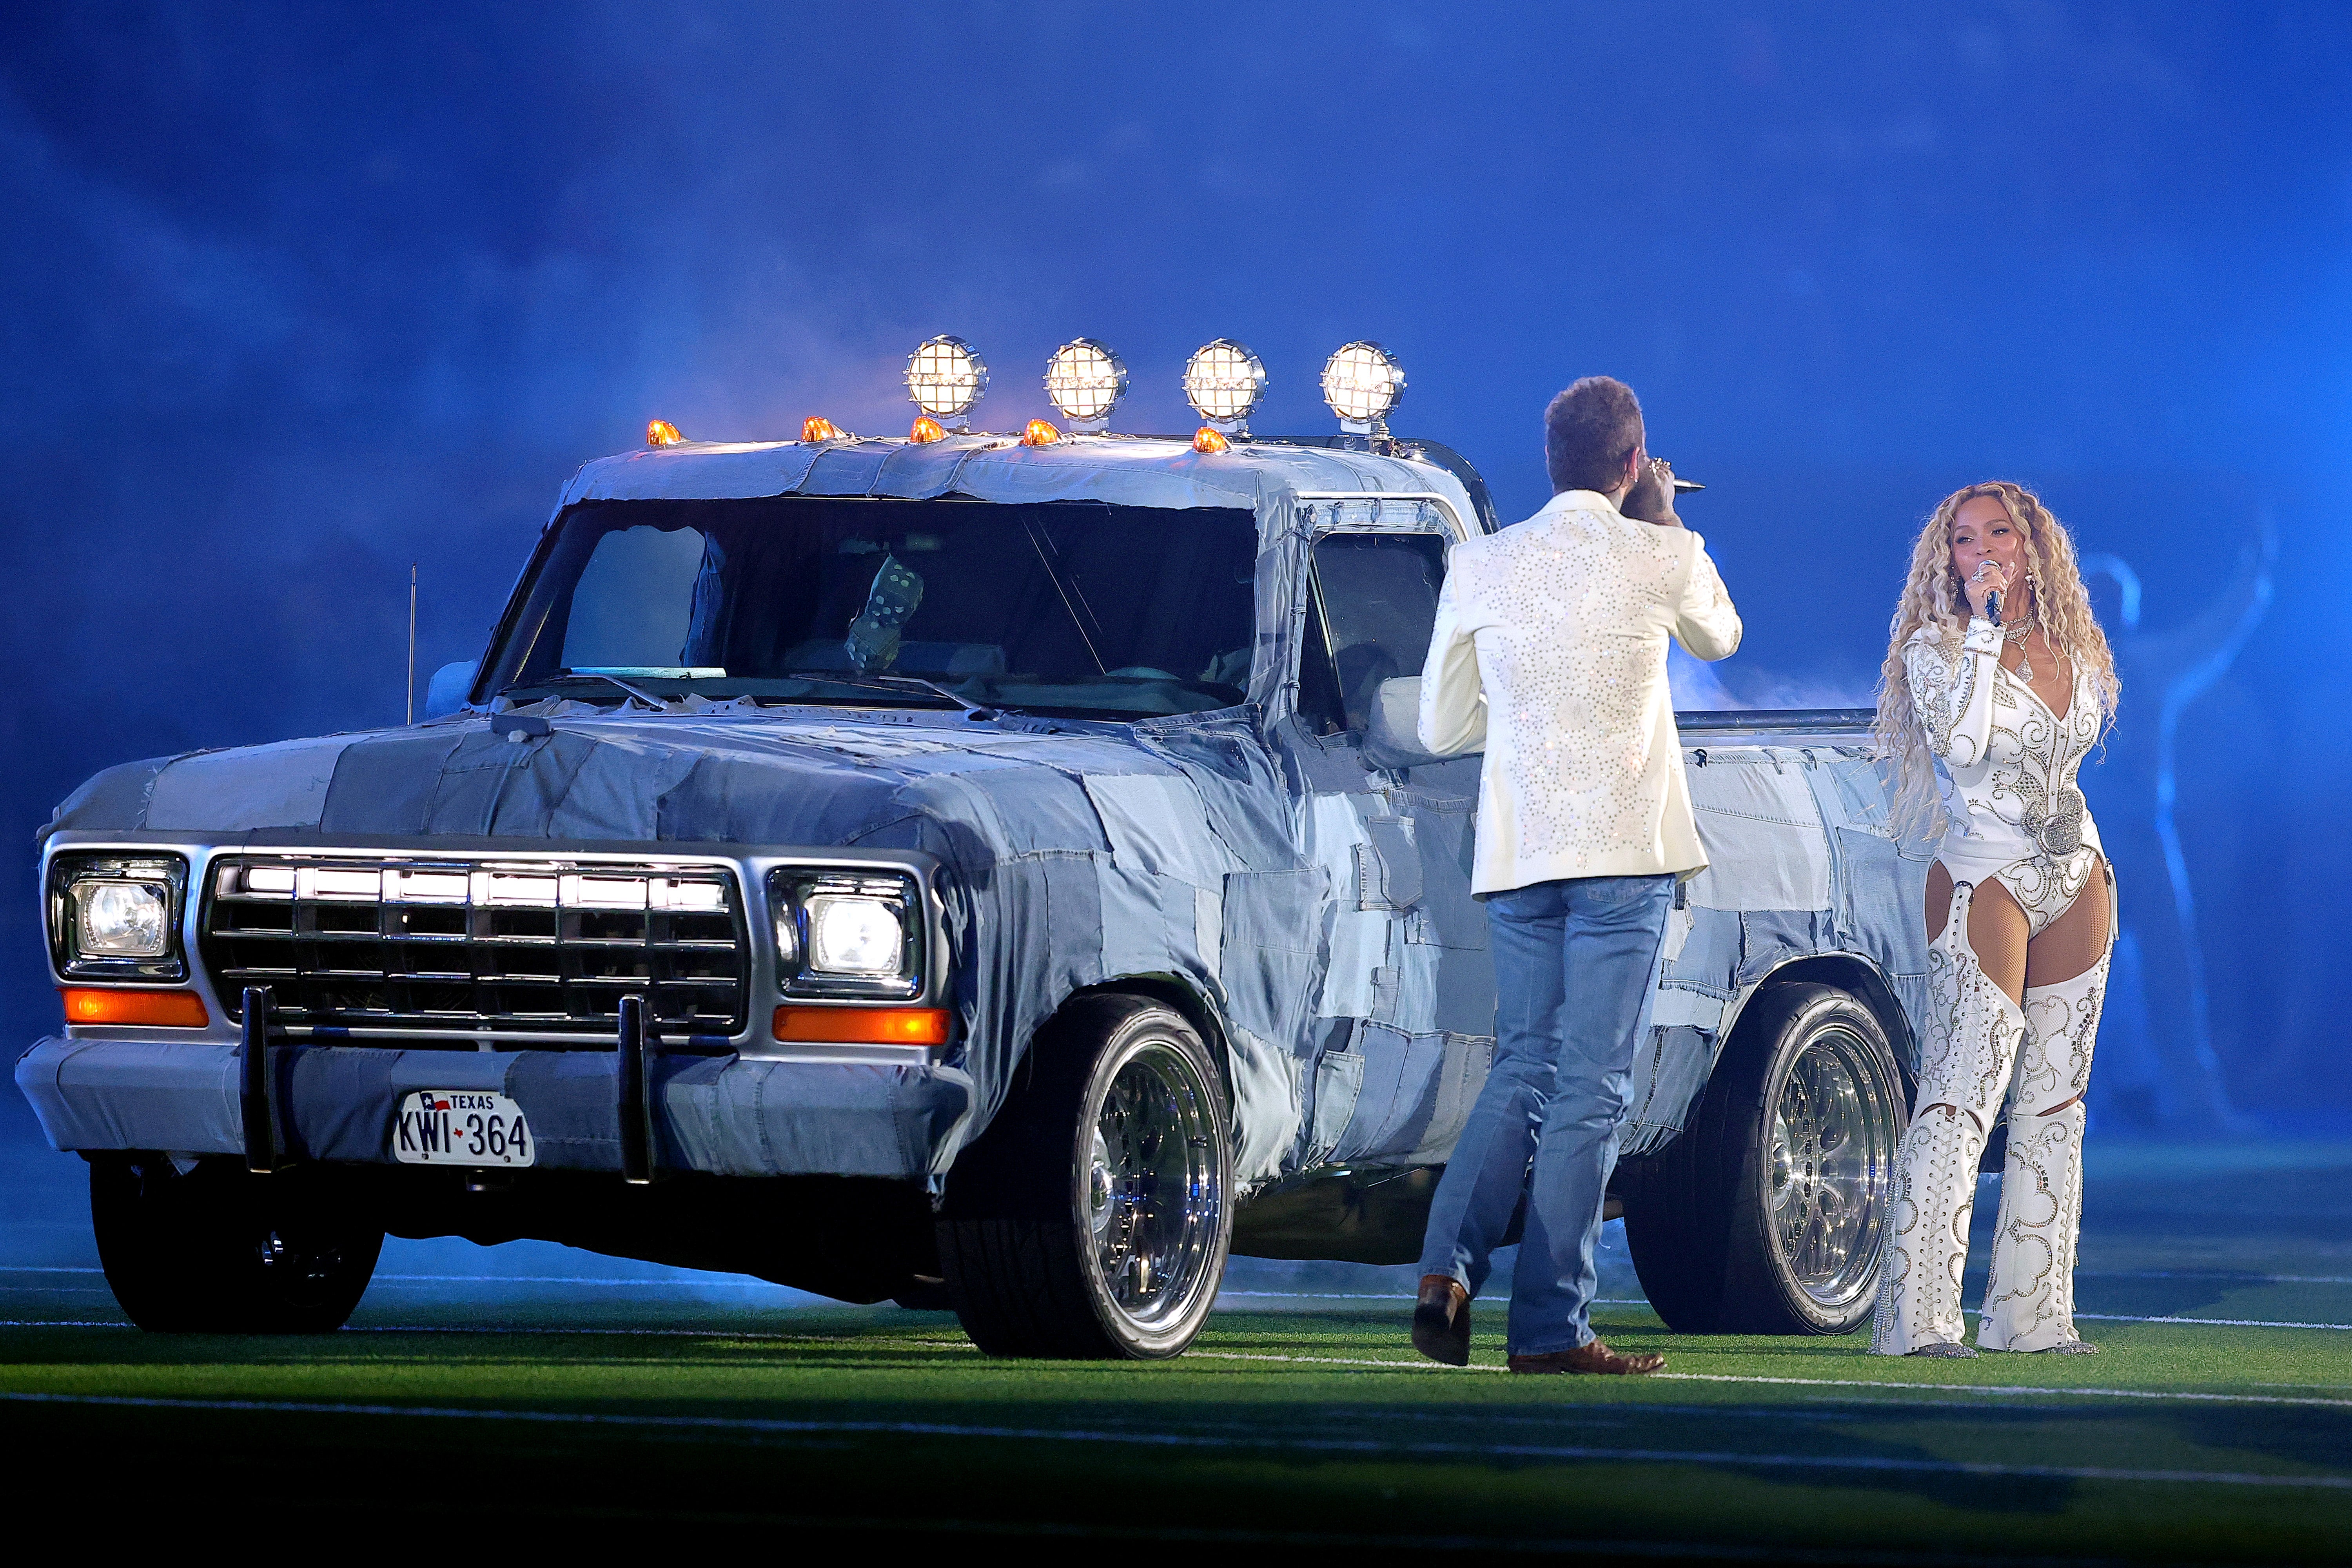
(173, 1009)
(818, 427)
(1206, 441)
(662, 433)
(863, 1025)
(1037, 433)
(925, 430)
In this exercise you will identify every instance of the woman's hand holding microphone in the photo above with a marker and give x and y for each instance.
(1991, 577)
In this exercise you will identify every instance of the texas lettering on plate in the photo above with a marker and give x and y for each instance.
(461, 1127)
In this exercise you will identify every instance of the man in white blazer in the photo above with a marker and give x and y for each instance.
(1549, 649)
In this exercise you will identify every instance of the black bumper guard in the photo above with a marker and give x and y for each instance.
(633, 1091)
(258, 1080)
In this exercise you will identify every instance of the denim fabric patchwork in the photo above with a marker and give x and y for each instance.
(283, 785)
(1762, 830)
(1710, 954)
(1399, 1093)
(1769, 938)
(1670, 1074)
(1272, 948)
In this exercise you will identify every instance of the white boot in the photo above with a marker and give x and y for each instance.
(1973, 1031)
(2030, 1299)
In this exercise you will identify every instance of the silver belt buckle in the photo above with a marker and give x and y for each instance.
(2060, 832)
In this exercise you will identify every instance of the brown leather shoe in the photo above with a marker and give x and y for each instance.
(1591, 1357)
(1441, 1319)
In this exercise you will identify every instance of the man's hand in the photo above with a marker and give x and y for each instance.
(1652, 498)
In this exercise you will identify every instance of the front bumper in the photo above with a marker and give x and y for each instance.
(729, 1115)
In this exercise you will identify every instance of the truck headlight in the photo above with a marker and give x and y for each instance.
(120, 919)
(117, 915)
(847, 932)
(850, 934)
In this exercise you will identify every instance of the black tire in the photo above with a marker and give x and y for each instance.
(1767, 1216)
(1092, 1219)
(220, 1250)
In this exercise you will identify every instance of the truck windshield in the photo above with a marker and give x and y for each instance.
(1074, 608)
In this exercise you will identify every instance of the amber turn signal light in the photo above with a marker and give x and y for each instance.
(1206, 441)
(174, 1009)
(863, 1025)
(925, 430)
(662, 433)
(1037, 433)
(818, 427)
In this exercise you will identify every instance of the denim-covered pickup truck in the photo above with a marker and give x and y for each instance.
(965, 869)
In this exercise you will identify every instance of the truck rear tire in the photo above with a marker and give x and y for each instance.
(219, 1250)
(1767, 1216)
(1092, 1219)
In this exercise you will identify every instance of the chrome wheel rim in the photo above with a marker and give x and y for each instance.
(1151, 1191)
(1834, 1127)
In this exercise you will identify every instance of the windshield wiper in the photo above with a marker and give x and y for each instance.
(934, 687)
(656, 703)
(890, 683)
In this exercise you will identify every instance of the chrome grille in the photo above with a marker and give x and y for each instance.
(473, 946)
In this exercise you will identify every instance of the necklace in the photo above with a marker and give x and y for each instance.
(2016, 632)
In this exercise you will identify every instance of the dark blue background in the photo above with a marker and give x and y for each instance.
(296, 297)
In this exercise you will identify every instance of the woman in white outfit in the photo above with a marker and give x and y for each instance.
(1997, 683)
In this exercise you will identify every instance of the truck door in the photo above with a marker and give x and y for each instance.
(1407, 1010)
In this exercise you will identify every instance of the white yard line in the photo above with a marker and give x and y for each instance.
(2217, 1323)
(716, 1333)
(1987, 1388)
(769, 1426)
(59, 1323)
(711, 1284)
(2217, 1274)
(2089, 1317)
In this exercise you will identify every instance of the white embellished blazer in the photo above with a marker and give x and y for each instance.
(1550, 646)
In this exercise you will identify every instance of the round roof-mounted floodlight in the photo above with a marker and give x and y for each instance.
(1361, 383)
(1223, 382)
(945, 376)
(1085, 380)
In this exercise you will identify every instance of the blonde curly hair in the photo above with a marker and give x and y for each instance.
(1933, 596)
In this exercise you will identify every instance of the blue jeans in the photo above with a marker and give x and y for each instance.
(1575, 965)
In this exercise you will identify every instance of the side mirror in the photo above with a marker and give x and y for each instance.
(448, 691)
(1392, 737)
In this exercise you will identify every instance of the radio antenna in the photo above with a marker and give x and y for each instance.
(412, 643)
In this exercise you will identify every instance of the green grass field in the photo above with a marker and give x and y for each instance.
(537, 1407)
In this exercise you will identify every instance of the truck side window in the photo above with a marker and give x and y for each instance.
(1374, 604)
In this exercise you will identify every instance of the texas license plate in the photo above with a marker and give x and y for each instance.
(461, 1127)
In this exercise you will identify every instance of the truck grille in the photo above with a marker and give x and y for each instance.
(511, 946)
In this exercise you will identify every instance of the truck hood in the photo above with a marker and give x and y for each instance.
(744, 778)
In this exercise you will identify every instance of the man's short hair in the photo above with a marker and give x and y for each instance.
(1589, 432)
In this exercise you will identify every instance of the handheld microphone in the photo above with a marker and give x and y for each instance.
(1992, 606)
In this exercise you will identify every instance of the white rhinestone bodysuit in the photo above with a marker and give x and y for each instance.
(2006, 766)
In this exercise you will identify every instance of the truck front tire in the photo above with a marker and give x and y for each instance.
(1768, 1215)
(219, 1250)
(1092, 1220)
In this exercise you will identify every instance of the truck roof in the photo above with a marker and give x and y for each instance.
(1268, 478)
